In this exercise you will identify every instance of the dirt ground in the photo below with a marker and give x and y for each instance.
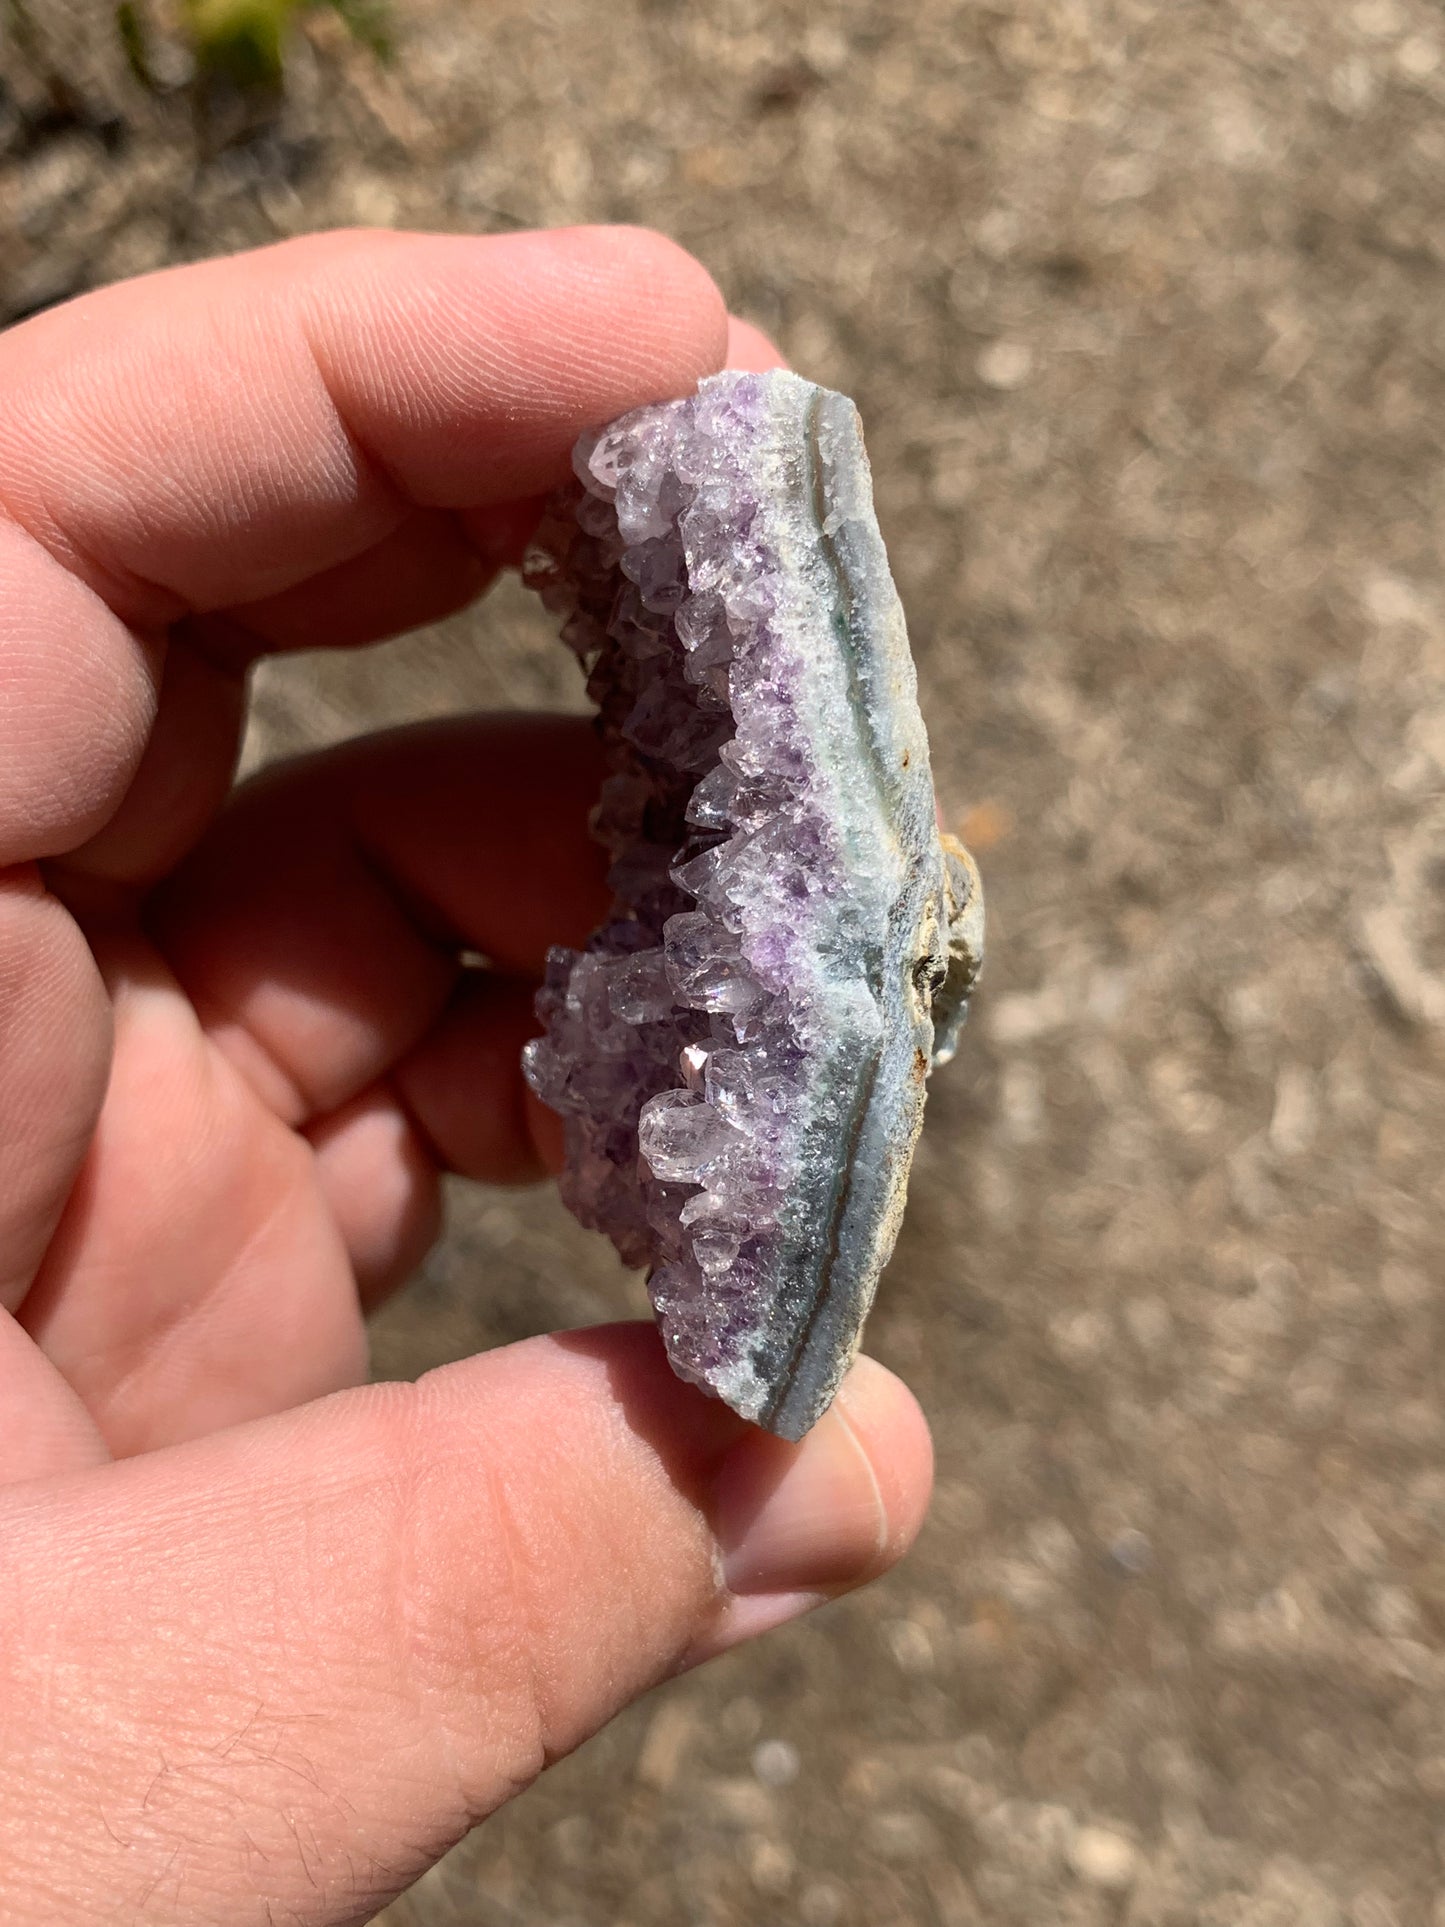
(1144, 305)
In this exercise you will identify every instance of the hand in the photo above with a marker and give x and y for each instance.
(267, 1645)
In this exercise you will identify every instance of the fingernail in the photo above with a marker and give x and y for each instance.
(804, 1518)
(797, 1524)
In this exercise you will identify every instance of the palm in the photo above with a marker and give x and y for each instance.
(297, 1053)
(199, 1275)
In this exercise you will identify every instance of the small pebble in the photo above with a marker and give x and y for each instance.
(1418, 57)
(1005, 364)
(910, 1645)
(901, 1837)
(776, 1762)
(741, 1719)
(1103, 1859)
(1131, 1551)
(772, 1867)
(821, 1904)
(1378, 19)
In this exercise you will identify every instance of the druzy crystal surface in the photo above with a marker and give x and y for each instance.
(739, 1053)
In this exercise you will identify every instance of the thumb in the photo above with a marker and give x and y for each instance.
(275, 1673)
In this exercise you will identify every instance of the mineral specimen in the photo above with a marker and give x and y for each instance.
(739, 1053)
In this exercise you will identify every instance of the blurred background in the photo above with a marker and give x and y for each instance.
(1143, 302)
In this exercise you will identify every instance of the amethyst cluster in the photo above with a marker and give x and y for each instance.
(739, 1052)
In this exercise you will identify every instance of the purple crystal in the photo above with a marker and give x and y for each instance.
(738, 1053)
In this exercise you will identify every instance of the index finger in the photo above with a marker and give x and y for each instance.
(217, 434)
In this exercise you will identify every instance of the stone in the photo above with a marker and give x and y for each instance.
(776, 1763)
(739, 1052)
(1101, 1858)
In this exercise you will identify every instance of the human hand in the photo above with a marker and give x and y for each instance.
(264, 1652)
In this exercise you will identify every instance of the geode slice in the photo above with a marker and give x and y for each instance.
(740, 1051)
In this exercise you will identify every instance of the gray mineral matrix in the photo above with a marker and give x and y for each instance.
(739, 1053)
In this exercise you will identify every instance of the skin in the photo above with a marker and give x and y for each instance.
(272, 1639)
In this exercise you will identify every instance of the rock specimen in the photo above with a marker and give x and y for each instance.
(740, 1051)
